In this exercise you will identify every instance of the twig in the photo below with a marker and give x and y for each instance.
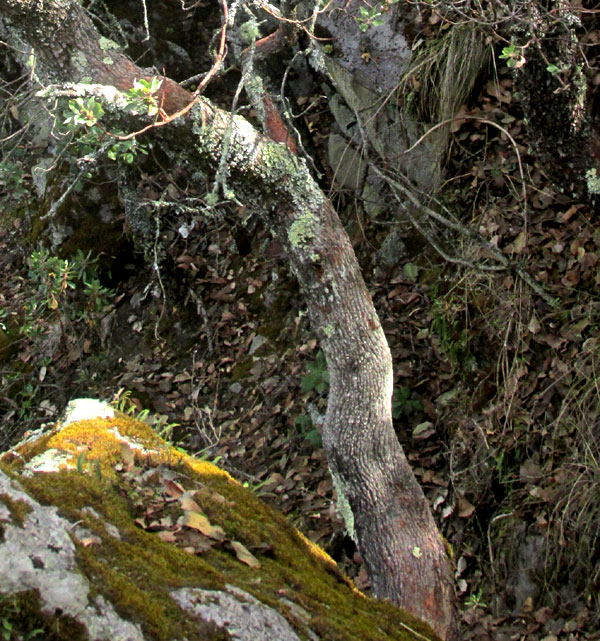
(220, 55)
(493, 124)
(90, 158)
(201, 310)
(505, 263)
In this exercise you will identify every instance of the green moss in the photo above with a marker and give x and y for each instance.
(23, 614)
(241, 370)
(135, 572)
(8, 345)
(18, 509)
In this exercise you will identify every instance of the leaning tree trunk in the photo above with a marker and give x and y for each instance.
(396, 534)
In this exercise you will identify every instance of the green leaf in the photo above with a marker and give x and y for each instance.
(508, 52)
(309, 382)
(314, 438)
(411, 271)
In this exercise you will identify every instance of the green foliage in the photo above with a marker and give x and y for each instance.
(513, 55)
(87, 137)
(6, 629)
(60, 293)
(84, 466)
(316, 380)
(411, 271)
(126, 150)
(10, 628)
(369, 17)
(318, 377)
(86, 113)
(122, 402)
(12, 179)
(453, 336)
(475, 600)
(304, 425)
(57, 282)
(140, 98)
(404, 402)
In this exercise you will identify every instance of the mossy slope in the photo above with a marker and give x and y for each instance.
(121, 493)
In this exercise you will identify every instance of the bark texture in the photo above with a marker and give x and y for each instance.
(396, 534)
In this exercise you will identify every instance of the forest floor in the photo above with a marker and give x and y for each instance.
(495, 402)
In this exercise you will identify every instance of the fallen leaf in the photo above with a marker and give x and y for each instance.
(188, 504)
(465, 509)
(534, 325)
(173, 489)
(128, 456)
(244, 555)
(202, 524)
(423, 430)
(167, 536)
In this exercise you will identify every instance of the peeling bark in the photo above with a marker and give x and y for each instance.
(396, 534)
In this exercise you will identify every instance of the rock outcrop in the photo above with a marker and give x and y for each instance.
(108, 532)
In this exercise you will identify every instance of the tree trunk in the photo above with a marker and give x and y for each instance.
(396, 534)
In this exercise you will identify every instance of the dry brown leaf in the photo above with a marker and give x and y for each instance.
(244, 555)
(465, 508)
(173, 489)
(188, 503)
(167, 536)
(423, 430)
(202, 524)
(128, 456)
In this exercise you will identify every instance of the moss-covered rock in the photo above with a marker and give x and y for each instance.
(107, 532)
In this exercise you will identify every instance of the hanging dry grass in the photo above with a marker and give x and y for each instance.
(442, 74)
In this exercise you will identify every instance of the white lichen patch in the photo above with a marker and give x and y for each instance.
(80, 60)
(303, 230)
(343, 507)
(593, 181)
(48, 461)
(81, 409)
(106, 44)
(108, 93)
